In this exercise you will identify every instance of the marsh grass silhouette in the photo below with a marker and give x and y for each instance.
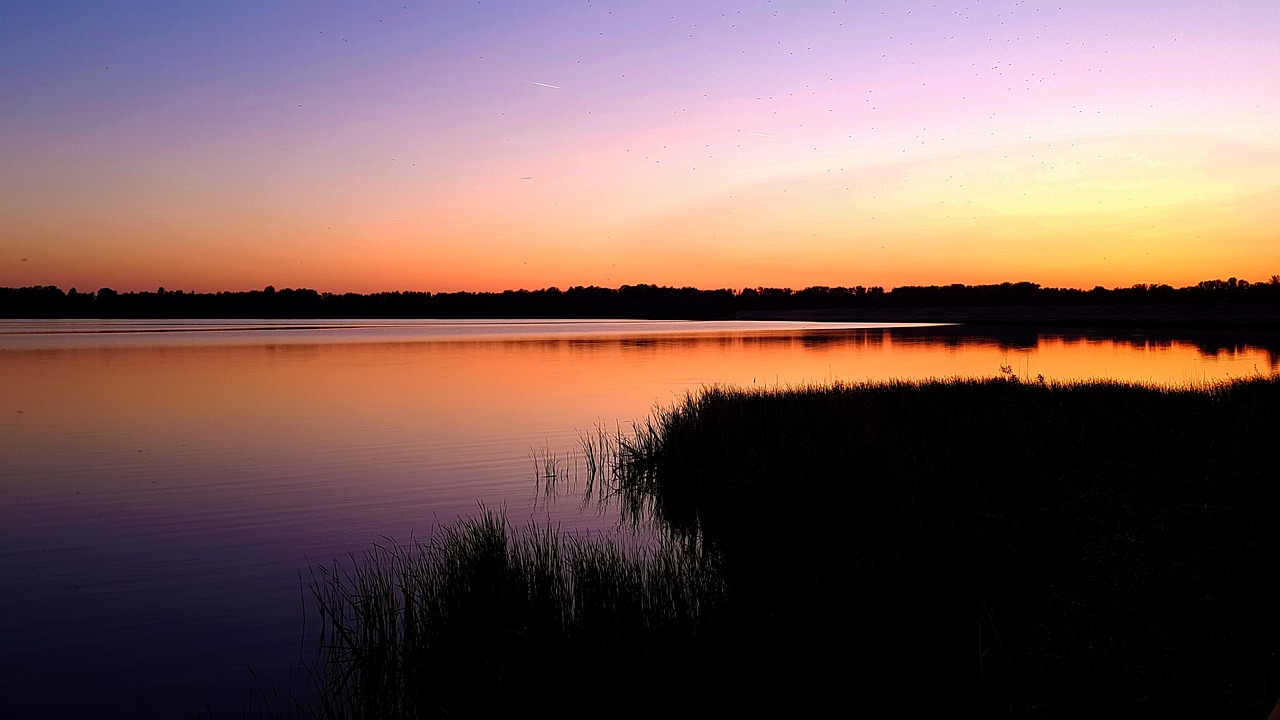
(992, 546)
(1055, 549)
(487, 620)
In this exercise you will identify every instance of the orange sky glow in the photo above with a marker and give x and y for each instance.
(401, 147)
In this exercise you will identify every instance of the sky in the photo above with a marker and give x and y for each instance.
(444, 146)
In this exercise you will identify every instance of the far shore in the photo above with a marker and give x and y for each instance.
(1221, 316)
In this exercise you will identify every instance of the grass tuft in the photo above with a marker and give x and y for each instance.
(997, 547)
(486, 620)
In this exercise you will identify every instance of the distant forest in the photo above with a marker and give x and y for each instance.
(628, 301)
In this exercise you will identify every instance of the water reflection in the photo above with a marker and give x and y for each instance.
(160, 492)
(1208, 343)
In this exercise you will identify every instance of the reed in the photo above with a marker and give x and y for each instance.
(991, 547)
(487, 620)
(1078, 549)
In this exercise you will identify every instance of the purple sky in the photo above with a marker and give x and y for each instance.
(493, 145)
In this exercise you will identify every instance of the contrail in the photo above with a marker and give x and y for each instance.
(762, 135)
(553, 87)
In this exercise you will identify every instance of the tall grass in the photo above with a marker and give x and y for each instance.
(1036, 549)
(487, 620)
(986, 547)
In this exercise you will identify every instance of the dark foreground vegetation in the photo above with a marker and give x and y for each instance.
(650, 301)
(992, 548)
(491, 621)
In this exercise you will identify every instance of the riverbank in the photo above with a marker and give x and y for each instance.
(988, 547)
(1216, 316)
(1211, 303)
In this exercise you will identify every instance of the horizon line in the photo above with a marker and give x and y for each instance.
(1231, 282)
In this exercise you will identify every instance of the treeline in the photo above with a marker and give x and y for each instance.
(628, 301)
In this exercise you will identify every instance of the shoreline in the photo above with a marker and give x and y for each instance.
(1012, 541)
(1221, 316)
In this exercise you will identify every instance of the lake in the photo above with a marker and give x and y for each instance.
(167, 486)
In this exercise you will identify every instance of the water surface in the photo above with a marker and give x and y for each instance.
(165, 486)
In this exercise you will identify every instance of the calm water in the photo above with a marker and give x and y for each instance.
(165, 486)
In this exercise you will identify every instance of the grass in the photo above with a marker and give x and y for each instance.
(1034, 549)
(487, 620)
(993, 547)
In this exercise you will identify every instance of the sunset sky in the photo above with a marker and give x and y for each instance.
(491, 145)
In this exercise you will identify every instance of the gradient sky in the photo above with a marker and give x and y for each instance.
(492, 145)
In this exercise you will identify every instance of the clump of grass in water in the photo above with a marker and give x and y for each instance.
(486, 619)
(1044, 549)
(551, 470)
(1006, 548)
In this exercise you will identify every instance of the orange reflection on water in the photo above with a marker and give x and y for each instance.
(140, 468)
(273, 394)
(440, 415)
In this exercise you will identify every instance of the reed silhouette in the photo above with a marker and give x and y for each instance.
(994, 547)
